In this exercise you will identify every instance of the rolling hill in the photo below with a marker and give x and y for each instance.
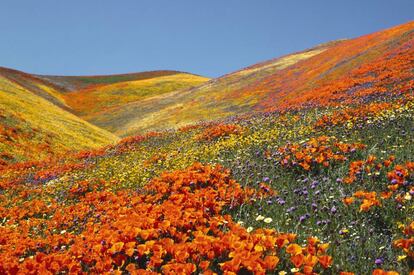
(43, 116)
(321, 76)
(75, 83)
(107, 101)
(100, 104)
(36, 85)
(345, 71)
(33, 125)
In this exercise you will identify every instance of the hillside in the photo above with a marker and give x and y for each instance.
(44, 115)
(305, 167)
(147, 204)
(100, 103)
(322, 76)
(33, 126)
(36, 85)
(75, 83)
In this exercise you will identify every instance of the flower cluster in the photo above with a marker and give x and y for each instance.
(220, 130)
(350, 116)
(407, 244)
(369, 167)
(398, 178)
(173, 225)
(316, 152)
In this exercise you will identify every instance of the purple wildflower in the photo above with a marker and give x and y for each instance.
(379, 261)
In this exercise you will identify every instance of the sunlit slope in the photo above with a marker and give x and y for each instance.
(357, 70)
(36, 85)
(347, 70)
(32, 127)
(99, 99)
(100, 104)
(351, 169)
(183, 106)
(75, 83)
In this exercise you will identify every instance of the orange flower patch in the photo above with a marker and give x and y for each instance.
(397, 177)
(354, 115)
(316, 153)
(173, 225)
(157, 158)
(220, 130)
(383, 272)
(368, 166)
(369, 199)
(406, 244)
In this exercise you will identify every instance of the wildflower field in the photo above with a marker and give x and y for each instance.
(305, 165)
(322, 190)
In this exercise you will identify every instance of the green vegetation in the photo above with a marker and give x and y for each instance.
(33, 128)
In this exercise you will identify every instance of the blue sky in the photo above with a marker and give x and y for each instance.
(211, 38)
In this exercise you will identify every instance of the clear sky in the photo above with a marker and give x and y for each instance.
(211, 37)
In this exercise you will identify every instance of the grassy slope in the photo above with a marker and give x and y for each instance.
(99, 104)
(43, 133)
(33, 127)
(75, 83)
(315, 74)
(253, 157)
(180, 107)
(36, 85)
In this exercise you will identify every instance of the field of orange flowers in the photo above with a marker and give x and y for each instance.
(316, 191)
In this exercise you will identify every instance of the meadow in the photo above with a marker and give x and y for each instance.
(323, 190)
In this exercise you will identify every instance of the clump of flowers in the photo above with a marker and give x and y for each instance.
(156, 158)
(383, 272)
(317, 152)
(351, 116)
(369, 199)
(175, 224)
(398, 179)
(221, 130)
(406, 244)
(188, 128)
(370, 167)
(128, 143)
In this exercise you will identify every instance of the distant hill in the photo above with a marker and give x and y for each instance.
(350, 70)
(33, 126)
(101, 103)
(37, 85)
(75, 83)
(42, 116)
(344, 71)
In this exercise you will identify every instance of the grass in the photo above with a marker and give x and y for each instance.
(321, 76)
(34, 128)
(103, 105)
(74, 83)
